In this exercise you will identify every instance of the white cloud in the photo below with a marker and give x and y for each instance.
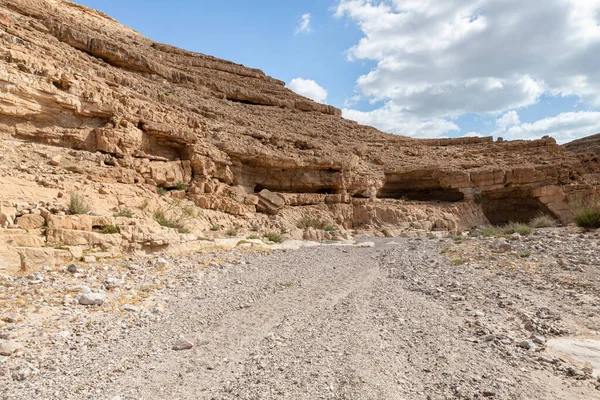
(472, 134)
(443, 59)
(308, 88)
(564, 127)
(509, 119)
(304, 25)
(389, 119)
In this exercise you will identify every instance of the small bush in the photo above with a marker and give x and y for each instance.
(516, 227)
(274, 237)
(190, 211)
(314, 223)
(180, 185)
(586, 211)
(183, 230)
(232, 232)
(161, 190)
(329, 228)
(127, 213)
(525, 255)
(215, 228)
(78, 205)
(490, 231)
(478, 198)
(458, 261)
(588, 218)
(253, 237)
(111, 229)
(543, 221)
(144, 205)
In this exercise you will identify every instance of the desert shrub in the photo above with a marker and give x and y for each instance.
(543, 221)
(525, 255)
(231, 232)
(458, 261)
(161, 190)
(215, 228)
(110, 229)
(78, 205)
(490, 231)
(180, 185)
(144, 205)
(478, 198)
(183, 230)
(329, 228)
(190, 211)
(126, 212)
(586, 212)
(588, 218)
(172, 216)
(274, 237)
(314, 223)
(516, 227)
(253, 237)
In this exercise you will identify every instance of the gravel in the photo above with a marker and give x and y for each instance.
(398, 320)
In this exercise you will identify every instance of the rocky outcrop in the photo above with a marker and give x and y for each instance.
(589, 144)
(128, 111)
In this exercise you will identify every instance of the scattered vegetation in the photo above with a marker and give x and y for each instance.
(478, 198)
(315, 223)
(78, 205)
(254, 237)
(458, 261)
(586, 212)
(231, 232)
(190, 211)
(516, 227)
(525, 255)
(126, 212)
(543, 221)
(274, 237)
(173, 216)
(180, 186)
(161, 190)
(144, 205)
(215, 228)
(111, 229)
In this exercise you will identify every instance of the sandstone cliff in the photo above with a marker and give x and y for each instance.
(126, 115)
(589, 144)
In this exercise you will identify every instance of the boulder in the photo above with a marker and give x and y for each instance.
(31, 221)
(269, 202)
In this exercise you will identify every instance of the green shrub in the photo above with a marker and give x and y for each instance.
(183, 230)
(588, 218)
(253, 237)
(232, 232)
(274, 237)
(478, 198)
(180, 185)
(161, 190)
(543, 221)
(586, 211)
(215, 228)
(110, 229)
(516, 227)
(78, 205)
(490, 231)
(525, 255)
(329, 228)
(127, 213)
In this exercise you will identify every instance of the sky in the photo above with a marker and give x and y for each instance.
(424, 68)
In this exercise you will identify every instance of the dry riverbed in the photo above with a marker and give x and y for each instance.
(465, 317)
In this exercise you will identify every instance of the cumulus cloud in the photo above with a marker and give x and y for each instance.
(391, 120)
(509, 119)
(304, 25)
(437, 60)
(472, 134)
(308, 88)
(564, 127)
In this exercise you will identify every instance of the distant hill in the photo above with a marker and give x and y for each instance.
(590, 144)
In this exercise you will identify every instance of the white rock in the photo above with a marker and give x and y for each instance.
(9, 348)
(161, 263)
(364, 245)
(92, 299)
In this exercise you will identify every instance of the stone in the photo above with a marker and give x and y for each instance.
(72, 268)
(364, 245)
(161, 263)
(89, 259)
(31, 221)
(527, 345)
(92, 299)
(56, 160)
(182, 344)
(8, 348)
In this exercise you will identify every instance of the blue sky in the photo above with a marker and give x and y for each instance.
(421, 68)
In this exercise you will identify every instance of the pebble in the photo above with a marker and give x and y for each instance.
(161, 263)
(72, 268)
(9, 348)
(182, 344)
(527, 345)
(92, 299)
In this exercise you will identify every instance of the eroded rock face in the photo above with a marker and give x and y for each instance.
(239, 142)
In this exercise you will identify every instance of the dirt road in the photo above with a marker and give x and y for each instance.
(396, 321)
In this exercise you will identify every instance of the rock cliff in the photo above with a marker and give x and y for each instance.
(90, 106)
